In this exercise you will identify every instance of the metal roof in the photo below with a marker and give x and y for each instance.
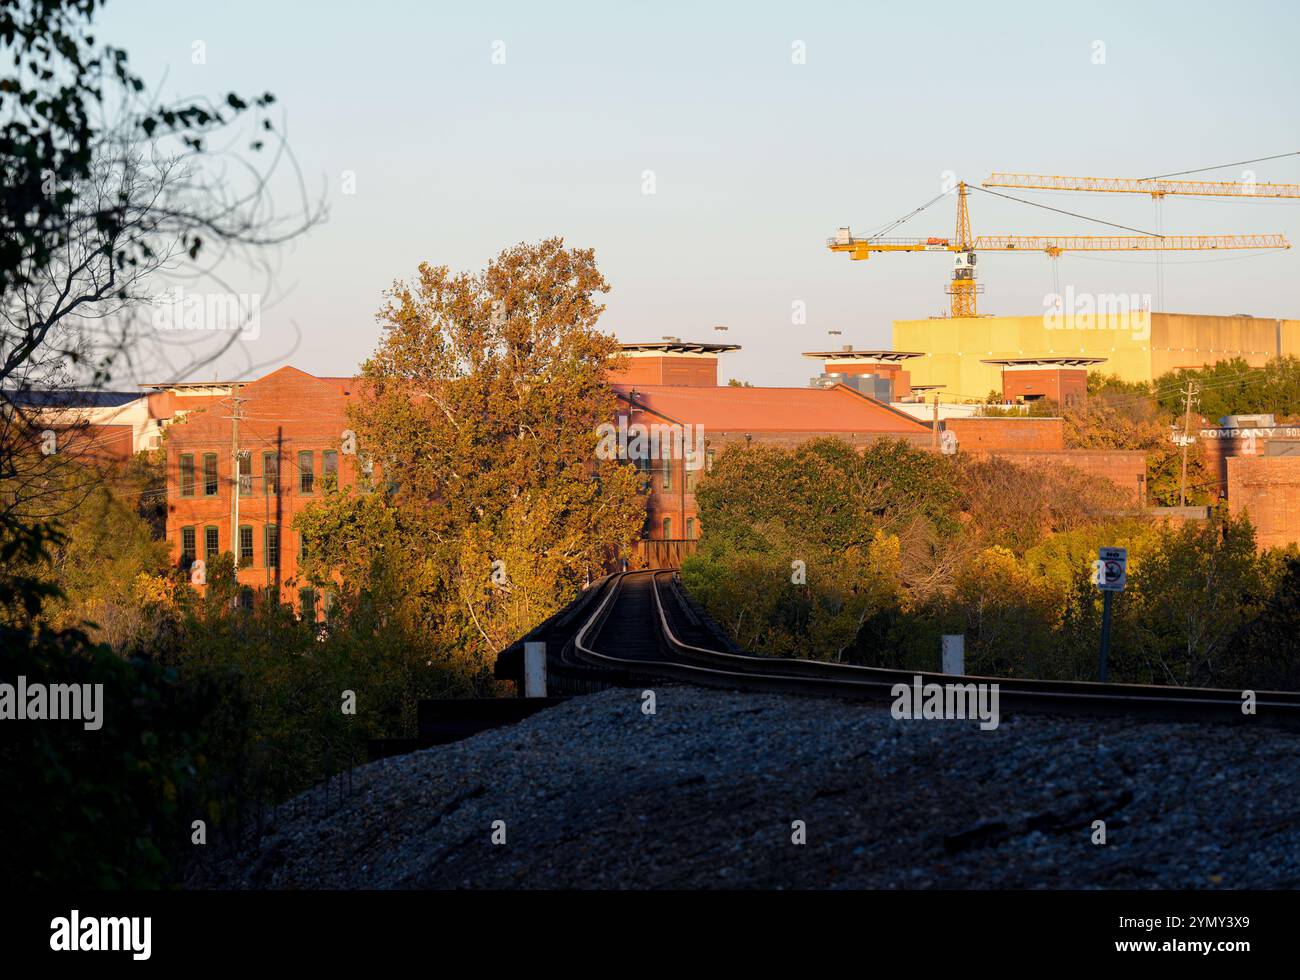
(837, 408)
(679, 347)
(1063, 361)
(70, 398)
(853, 354)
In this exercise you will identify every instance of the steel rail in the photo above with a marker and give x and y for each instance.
(674, 659)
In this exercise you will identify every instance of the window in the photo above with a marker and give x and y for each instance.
(188, 550)
(271, 546)
(246, 598)
(307, 599)
(211, 543)
(270, 474)
(644, 474)
(245, 545)
(209, 474)
(690, 528)
(306, 472)
(302, 546)
(245, 460)
(666, 475)
(668, 528)
(187, 475)
(329, 465)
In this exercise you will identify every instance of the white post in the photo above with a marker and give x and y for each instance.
(954, 653)
(534, 670)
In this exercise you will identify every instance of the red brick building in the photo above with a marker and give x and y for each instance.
(1267, 490)
(1063, 380)
(670, 362)
(293, 442)
(859, 368)
(293, 437)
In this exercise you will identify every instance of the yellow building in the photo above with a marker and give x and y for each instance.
(1137, 345)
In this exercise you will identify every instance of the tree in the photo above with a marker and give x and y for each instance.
(1233, 387)
(102, 190)
(482, 407)
(806, 545)
(1196, 588)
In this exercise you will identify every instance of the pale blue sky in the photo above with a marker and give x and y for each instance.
(756, 159)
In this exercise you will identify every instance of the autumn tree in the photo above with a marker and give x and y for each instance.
(482, 409)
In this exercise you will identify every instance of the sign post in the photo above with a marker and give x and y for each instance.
(1109, 573)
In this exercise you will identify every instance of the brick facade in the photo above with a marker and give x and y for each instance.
(1267, 490)
(1011, 433)
(1063, 386)
(292, 431)
(1222, 443)
(1122, 467)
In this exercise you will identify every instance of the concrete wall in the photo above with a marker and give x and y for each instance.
(1267, 490)
(1137, 347)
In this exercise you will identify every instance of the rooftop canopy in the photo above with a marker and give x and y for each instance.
(676, 347)
(875, 356)
(1064, 361)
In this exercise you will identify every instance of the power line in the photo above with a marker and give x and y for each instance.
(1072, 214)
(1239, 163)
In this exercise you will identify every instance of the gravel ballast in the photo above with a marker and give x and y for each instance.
(703, 794)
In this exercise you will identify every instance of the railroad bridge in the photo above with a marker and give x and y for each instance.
(633, 629)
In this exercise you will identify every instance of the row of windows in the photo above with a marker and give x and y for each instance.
(212, 545)
(270, 473)
(667, 528)
(307, 601)
(658, 476)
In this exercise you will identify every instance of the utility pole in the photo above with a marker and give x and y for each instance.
(1189, 394)
(235, 416)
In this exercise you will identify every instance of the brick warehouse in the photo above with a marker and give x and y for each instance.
(293, 444)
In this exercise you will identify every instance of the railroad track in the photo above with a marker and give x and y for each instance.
(634, 627)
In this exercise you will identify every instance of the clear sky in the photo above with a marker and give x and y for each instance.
(756, 159)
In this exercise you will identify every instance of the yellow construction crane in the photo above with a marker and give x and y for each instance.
(963, 287)
(1155, 187)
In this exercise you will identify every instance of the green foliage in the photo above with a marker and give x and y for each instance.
(1233, 387)
(100, 808)
(283, 682)
(1008, 563)
(807, 544)
(488, 392)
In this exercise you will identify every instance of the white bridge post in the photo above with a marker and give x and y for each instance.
(954, 653)
(534, 670)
